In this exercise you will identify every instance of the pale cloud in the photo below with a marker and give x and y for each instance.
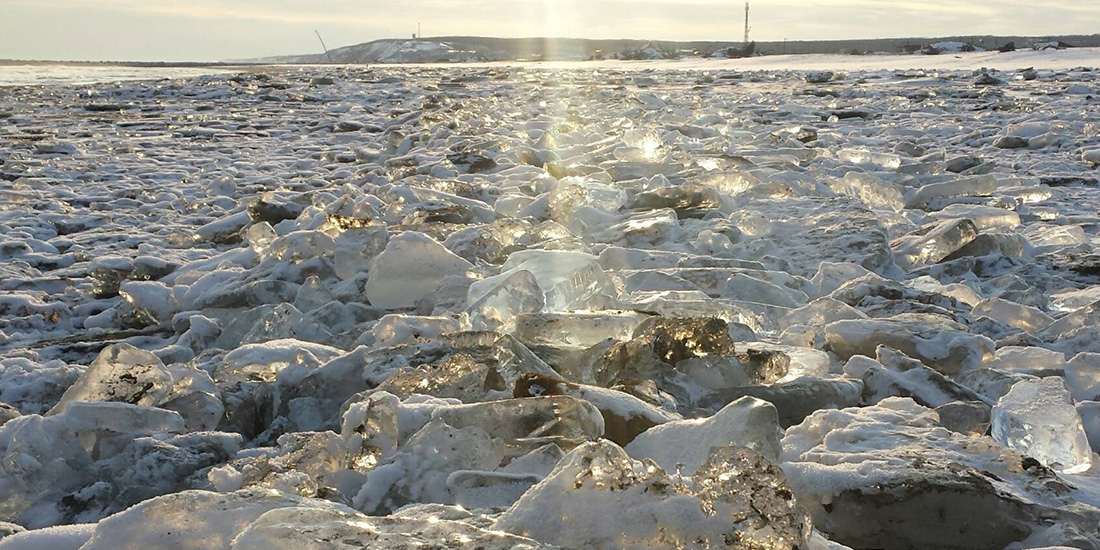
(221, 29)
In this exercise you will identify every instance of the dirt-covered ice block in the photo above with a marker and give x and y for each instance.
(412, 266)
(1038, 418)
(888, 476)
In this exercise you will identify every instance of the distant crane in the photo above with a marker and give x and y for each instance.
(326, 47)
(746, 21)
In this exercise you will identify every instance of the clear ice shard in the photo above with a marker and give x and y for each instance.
(411, 267)
(498, 309)
(567, 279)
(1037, 417)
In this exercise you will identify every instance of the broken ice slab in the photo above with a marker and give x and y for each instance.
(583, 205)
(965, 417)
(301, 528)
(411, 266)
(880, 161)
(1090, 418)
(683, 445)
(1030, 360)
(984, 217)
(1025, 318)
(933, 243)
(568, 279)
(501, 307)
(977, 186)
(529, 423)
(428, 457)
(624, 415)
(123, 373)
(1038, 418)
(746, 288)
(685, 355)
(355, 248)
(794, 400)
(397, 329)
(580, 328)
(943, 346)
(193, 520)
(688, 200)
(122, 418)
(895, 374)
(869, 475)
(1065, 301)
(107, 273)
(1088, 315)
(874, 192)
(475, 489)
(1009, 245)
(593, 496)
(652, 228)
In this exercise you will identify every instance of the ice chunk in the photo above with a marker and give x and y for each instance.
(123, 373)
(583, 205)
(567, 279)
(500, 307)
(683, 446)
(1038, 418)
(412, 266)
(872, 191)
(525, 424)
(122, 418)
(317, 529)
(984, 217)
(355, 248)
(598, 498)
(624, 415)
(192, 520)
(583, 329)
(62, 537)
(977, 186)
(942, 347)
(899, 375)
(395, 329)
(1022, 317)
(933, 243)
(418, 471)
(751, 289)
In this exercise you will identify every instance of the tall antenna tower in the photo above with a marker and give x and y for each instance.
(323, 46)
(746, 21)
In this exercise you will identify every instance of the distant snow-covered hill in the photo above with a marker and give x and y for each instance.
(389, 51)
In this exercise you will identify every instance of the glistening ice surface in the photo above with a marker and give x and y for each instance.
(589, 307)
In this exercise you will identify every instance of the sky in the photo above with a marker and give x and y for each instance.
(212, 30)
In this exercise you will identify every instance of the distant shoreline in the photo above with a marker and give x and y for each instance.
(574, 49)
